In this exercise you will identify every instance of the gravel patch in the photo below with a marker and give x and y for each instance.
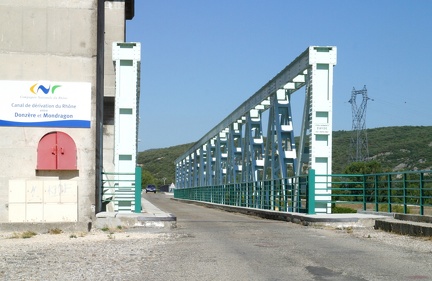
(412, 243)
(90, 256)
(126, 255)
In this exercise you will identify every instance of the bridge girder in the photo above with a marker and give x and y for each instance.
(236, 151)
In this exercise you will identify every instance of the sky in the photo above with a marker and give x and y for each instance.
(201, 59)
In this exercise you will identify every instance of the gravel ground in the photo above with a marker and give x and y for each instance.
(90, 256)
(416, 244)
(121, 255)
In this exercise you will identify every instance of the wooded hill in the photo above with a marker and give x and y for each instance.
(395, 148)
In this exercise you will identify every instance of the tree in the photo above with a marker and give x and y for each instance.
(364, 168)
(146, 179)
(358, 188)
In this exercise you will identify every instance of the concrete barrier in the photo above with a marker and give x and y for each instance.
(331, 220)
(405, 227)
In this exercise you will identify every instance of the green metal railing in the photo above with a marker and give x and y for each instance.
(124, 189)
(401, 192)
(405, 192)
(279, 195)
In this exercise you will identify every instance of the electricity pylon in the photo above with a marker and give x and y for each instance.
(359, 142)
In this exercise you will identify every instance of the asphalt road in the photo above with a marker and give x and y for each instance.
(210, 244)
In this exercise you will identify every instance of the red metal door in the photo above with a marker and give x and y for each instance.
(56, 151)
(47, 152)
(66, 152)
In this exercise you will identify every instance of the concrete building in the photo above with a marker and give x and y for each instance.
(57, 88)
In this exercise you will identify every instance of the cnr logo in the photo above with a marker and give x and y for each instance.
(45, 88)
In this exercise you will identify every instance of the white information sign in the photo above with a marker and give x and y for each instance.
(322, 129)
(45, 104)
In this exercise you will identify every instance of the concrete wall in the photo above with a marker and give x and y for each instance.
(51, 40)
(55, 40)
(115, 26)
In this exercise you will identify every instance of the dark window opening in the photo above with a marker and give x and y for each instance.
(109, 104)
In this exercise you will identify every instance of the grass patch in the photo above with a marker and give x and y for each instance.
(343, 210)
(15, 236)
(394, 208)
(119, 228)
(23, 235)
(28, 234)
(55, 231)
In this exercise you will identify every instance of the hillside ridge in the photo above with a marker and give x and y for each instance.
(400, 148)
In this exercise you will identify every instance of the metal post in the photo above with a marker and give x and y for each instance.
(376, 193)
(389, 206)
(421, 194)
(364, 192)
(138, 189)
(311, 192)
(405, 186)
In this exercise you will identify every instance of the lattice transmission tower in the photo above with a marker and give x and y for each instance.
(359, 142)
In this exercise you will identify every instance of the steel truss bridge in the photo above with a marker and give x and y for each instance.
(237, 152)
